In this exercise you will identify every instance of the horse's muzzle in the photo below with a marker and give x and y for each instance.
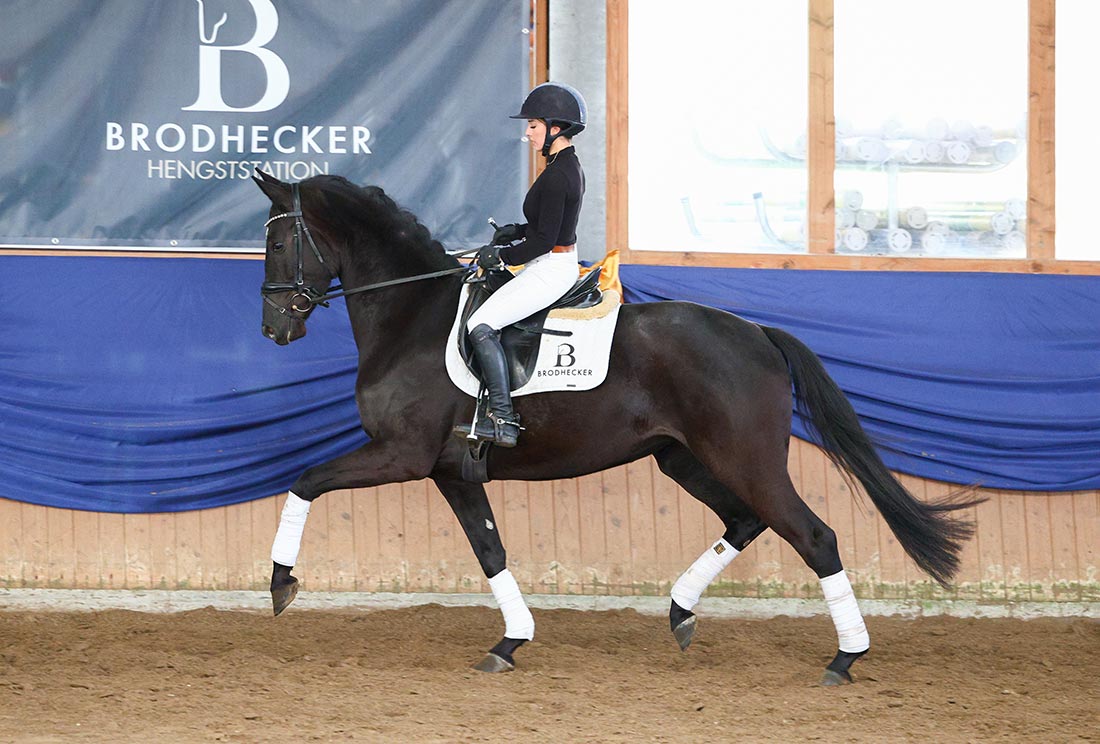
(291, 332)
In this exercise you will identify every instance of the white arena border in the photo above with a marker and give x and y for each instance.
(95, 600)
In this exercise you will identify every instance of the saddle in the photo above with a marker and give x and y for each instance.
(521, 340)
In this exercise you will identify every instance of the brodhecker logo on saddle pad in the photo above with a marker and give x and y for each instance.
(577, 361)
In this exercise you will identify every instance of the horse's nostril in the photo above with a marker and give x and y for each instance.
(269, 332)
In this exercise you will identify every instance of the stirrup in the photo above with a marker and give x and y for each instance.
(492, 429)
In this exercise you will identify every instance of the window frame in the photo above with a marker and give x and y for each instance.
(821, 164)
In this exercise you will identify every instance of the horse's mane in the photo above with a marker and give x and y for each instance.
(350, 209)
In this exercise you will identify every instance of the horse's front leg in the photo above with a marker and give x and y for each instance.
(471, 506)
(372, 464)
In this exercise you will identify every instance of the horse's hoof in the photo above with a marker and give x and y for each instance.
(837, 671)
(494, 664)
(684, 632)
(284, 595)
(835, 679)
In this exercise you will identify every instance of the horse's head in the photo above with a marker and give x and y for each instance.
(296, 273)
(327, 227)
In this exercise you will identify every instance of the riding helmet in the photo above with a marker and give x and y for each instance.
(555, 103)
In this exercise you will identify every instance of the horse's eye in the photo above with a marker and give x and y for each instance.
(277, 248)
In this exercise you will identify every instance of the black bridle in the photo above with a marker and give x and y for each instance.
(306, 297)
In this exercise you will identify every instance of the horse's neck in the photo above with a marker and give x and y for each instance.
(389, 322)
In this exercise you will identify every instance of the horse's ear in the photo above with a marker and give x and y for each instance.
(277, 191)
(268, 177)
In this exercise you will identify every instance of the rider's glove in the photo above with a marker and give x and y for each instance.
(508, 234)
(488, 257)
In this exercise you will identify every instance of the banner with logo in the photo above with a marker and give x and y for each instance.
(137, 124)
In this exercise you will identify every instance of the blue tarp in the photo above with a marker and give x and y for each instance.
(144, 384)
(961, 377)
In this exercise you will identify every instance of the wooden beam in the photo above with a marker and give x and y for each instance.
(1040, 130)
(540, 40)
(821, 131)
(618, 121)
(540, 68)
(849, 262)
(128, 254)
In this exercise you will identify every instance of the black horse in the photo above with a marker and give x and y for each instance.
(706, 393)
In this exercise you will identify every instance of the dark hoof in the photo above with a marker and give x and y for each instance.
(684, 632)
(494, 664)
(837, 671)
(835, 679)
(282, 596)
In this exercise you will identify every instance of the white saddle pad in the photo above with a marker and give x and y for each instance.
(575, 362)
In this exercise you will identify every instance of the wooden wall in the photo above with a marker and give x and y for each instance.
(626, 531)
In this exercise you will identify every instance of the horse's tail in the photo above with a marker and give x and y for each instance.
(928, 534)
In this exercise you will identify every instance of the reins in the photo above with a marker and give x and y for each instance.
(306, 297)
(341, 292)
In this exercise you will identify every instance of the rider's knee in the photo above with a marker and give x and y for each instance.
(483, 331)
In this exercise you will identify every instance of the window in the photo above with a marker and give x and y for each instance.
(943, 113)
(931, 113)
(717, 153)
(1077, 148)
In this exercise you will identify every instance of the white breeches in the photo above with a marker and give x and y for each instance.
(542, 281)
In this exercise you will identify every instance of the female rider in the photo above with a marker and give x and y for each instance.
(547, 246)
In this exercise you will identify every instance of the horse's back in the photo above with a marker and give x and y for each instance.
(690, 334)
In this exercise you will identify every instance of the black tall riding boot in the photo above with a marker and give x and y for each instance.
(501, 424)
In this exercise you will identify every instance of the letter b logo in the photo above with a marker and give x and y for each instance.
(210, 63)
(565, 351)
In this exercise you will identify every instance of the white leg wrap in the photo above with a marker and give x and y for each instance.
(691, 585)
(288, 539)
(851, 633)
(518, 622)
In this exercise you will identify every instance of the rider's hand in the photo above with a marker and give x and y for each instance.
(488, 257)
(507, 234)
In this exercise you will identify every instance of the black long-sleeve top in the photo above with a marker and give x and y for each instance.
(552, 208)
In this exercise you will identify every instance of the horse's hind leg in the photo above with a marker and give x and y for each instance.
(771, 495)
(471, 507)
(742, 527)
(787, 514)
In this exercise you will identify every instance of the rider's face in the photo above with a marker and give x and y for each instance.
(536, 132)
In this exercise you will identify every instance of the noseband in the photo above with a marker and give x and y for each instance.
(305, 297)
